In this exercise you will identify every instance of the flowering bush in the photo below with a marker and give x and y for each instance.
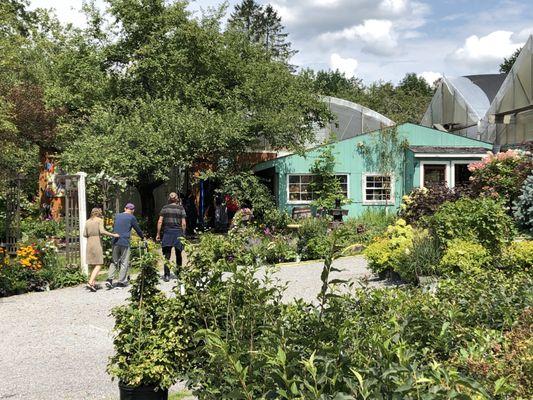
(502, 174)
(464, 256)
(30, 257)
(385, 254)
(36, 267)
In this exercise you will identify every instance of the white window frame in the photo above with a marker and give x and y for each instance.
(390, 202)
(446, 171)
(460, 162)
(306, 174)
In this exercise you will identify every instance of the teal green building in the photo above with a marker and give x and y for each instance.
(376, 169)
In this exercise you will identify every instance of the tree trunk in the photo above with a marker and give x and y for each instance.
(146, 193)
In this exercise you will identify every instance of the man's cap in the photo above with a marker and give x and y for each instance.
(130, 206)
(173, 196)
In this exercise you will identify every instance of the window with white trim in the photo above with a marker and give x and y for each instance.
(377, 189)
(299, 191)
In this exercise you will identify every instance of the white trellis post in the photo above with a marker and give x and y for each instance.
(82, 215)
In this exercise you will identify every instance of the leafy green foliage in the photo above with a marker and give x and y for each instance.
(325, 185)
(246, 188)
(422, 260)
(483, 220)
(422, 203)
(146, 339)
(518, 255)
(36, 229)
(523, 206)
(464, 256)
(360, 231)
(312, 235)
(173, 90)
(386, 253)
(54, 273)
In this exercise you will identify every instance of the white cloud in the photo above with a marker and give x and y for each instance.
(488, 49)
(325, 3)
(394, 6)
(377, 35)
(430, 76)
(287, 14)
(524, 34)
(345, 65)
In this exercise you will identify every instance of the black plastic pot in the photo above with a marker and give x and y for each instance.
(150, 392)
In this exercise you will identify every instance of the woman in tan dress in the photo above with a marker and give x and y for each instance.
(94, 229)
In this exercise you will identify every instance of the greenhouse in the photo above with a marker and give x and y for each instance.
(461, 102)
(497, 108)
(509, 119)
(350, 119)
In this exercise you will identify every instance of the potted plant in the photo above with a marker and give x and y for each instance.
(143, 361)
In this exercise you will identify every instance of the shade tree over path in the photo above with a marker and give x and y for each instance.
(150, 87)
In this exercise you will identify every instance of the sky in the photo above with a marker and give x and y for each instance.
(385, 39)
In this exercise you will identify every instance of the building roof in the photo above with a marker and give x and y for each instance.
(447, 150)
(489, 83)
(351, 119)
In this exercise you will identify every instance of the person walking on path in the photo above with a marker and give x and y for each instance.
(172, 222)
(124, 223)
(94, 230)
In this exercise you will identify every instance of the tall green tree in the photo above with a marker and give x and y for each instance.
(164, 89)
(262, 25)
(29, 41)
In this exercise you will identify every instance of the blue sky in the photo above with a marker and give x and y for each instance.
(385, 39)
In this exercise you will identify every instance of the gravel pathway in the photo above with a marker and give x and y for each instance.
(55, 345)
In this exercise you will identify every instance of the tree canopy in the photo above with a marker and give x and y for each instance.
(159, 88)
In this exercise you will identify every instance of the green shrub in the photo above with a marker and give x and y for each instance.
(386, 253)
(38, 229)
(422, 203)
(464, 256)
(279, 248)
(311, 233)
(274, 220)
(501, 174)
(423, 258)
(523, 207)
(397, 343)
(363, 229)
(482, 220)
(518, 255)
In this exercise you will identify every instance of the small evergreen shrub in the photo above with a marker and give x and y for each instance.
(464, 256)
(482, 220)
(518, 255)
(523, 207)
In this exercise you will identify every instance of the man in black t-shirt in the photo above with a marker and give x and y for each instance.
(172, 222)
